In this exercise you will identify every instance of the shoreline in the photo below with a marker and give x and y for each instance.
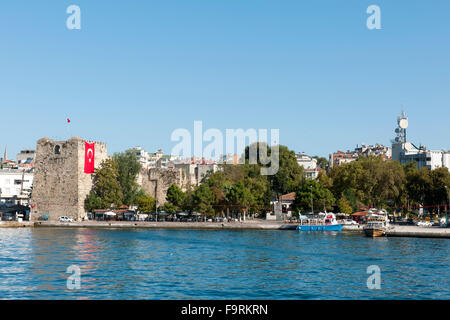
(397, 231)
(247, 225)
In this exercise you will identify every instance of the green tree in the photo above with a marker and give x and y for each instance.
(175, 196)
(344, 205)
(322, 162)
(128, 167)
(106, 189)
(440, 182)
(92, 202)
(239, 197)
(203, 200)
(322, 197)
(169, 208)
(188, 203)
(374, 181)
(418, 183)
(145, 203)
(289, 174)
(259, 188)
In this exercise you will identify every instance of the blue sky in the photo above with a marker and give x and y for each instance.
(137, 70)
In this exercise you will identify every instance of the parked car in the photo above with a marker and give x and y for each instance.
(350, 222)
(65, 219)
(424, 224)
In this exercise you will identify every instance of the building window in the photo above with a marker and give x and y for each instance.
(57, 150)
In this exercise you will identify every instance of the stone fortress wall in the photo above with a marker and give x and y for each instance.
(156, 181)
(60, 184)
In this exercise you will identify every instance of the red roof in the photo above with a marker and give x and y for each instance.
(361, 213)
(289, 196)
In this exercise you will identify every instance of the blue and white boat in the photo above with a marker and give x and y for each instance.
(327, 223)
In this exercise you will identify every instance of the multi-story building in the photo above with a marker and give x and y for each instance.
(405, 151)
(310, 168)
(197, 170)
(26, 156)
(375, 150)
(149, 160)
(341, 157)
(15, 186)
(229, 158)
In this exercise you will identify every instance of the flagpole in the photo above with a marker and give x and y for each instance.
(68, 127)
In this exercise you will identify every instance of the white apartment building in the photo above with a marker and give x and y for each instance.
(405, 151)
(15, 186)
(146, 159)
(431, 159)
(309, 164)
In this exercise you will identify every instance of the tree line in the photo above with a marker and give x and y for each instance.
(237, 189)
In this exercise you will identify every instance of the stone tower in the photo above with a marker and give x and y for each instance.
(60, 184)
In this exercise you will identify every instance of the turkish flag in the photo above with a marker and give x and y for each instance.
(89, 157)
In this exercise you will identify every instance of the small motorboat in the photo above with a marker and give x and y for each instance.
(327, 223)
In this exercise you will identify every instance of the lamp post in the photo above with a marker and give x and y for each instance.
(447, 206)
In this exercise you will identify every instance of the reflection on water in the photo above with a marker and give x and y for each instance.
(206, 264)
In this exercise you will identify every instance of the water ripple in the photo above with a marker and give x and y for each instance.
(207, 264)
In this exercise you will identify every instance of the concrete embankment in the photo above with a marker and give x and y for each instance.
(247, 225)
(419, 232)
(396, 231)
(15, 224)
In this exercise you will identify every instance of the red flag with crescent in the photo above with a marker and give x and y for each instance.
(89, 157)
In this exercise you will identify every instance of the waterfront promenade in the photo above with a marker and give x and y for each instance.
(397, 231)
(244, 225)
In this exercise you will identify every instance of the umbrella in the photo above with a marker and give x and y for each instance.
(162, 213)
(182, 214)
(196, 214)
(110, 213)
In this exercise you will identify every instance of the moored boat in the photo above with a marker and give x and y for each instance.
(327, 223)
(377, 223)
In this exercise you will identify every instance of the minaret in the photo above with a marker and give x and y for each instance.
(5, 157)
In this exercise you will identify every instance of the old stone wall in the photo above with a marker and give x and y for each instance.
(60, 184)
(156, 181)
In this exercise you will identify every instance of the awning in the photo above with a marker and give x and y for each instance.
(361, 213)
